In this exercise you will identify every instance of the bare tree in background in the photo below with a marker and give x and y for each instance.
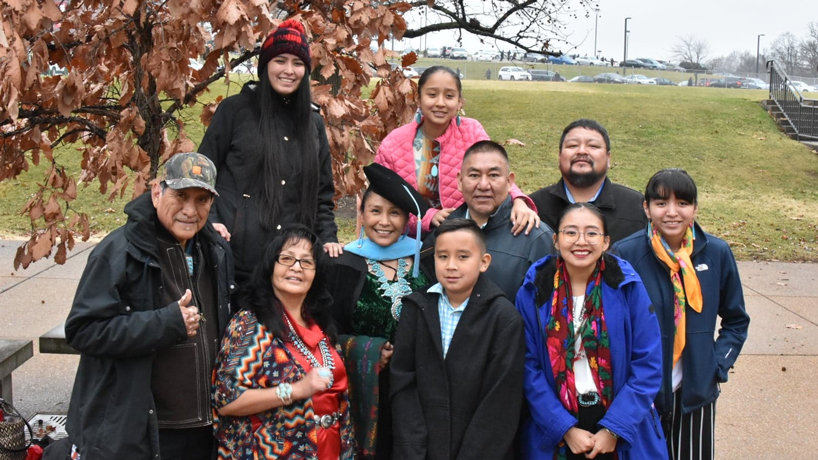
(786, 51)
(529, 25)
(809, 49)
(691, 50)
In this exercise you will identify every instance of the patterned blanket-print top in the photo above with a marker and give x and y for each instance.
(251, 357)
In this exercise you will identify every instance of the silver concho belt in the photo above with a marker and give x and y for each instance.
(326, 421)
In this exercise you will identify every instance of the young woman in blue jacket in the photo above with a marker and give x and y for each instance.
(692, 279)
(593, 363)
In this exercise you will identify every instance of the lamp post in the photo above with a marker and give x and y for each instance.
(596, 24)
(758, 50)
(626, 40)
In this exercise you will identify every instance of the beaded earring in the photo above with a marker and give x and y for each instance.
(458, 120)
(418, 117)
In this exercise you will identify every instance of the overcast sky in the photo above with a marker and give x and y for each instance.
(656, 25)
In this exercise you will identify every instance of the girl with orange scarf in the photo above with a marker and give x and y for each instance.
(692, 280)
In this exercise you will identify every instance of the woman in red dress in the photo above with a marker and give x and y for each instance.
(280, 387)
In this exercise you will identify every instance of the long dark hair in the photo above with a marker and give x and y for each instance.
(278, 112)
(259, 297)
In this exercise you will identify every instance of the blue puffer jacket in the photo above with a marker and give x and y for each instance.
(705, 362)
(636, 362)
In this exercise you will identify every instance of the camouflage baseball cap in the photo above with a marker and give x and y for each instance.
(185, 170)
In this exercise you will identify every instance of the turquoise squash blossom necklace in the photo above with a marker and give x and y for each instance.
(394, 290)
(326, 356)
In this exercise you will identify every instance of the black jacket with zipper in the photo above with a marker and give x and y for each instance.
(233, 143)
(119, 322)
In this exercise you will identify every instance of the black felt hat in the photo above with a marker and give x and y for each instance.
(394, 188)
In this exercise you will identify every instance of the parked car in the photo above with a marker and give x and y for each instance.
(581, 79)
(757, 83)
(459, 53)
(638, 79)
(728, 82)
(609, 78)
(585, 60)
(802, 87)
(662, 81)
(513, 73)
(408, 72)
(671, 66)
(545, 75)
(534, 57)
(632, 63)
(486, 55)
(561, 60)
(433, 52)
(419, 69)
(649, 63)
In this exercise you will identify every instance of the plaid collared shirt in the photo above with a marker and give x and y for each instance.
(449, 316)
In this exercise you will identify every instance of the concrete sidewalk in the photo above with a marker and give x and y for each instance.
(766, 411)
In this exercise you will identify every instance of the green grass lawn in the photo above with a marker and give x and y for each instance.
(757, 187)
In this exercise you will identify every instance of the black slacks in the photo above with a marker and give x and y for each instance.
(187, 444)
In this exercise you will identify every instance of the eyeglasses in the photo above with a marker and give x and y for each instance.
(288, 260)
(591, 237)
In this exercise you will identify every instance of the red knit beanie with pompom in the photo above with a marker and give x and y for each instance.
(289, 38)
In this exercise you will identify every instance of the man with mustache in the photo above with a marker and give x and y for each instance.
(147, 318)
(584, 159)
(485, 180)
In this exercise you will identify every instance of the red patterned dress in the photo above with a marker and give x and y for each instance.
(251, 357)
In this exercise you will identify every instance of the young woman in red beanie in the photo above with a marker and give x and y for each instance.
(270, 148)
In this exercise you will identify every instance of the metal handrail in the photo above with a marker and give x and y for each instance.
(802, 116)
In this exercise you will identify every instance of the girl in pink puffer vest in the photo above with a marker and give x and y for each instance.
(431, 148)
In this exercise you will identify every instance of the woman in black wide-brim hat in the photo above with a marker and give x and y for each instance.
(371, 277)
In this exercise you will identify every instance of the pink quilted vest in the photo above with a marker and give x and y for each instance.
(396, 153)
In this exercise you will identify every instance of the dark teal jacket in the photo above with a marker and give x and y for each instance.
(705, 361)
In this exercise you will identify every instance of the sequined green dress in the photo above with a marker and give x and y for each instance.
(373, 315)
(368, 322)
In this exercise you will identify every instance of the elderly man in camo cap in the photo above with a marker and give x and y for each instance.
(147, 318)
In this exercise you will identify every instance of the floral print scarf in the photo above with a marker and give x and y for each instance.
(560, 337)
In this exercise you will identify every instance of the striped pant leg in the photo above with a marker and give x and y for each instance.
(692, 435)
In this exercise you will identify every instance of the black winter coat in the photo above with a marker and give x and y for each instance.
(118, 322)
(232, 143)
(466, 406)
(621, 206)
